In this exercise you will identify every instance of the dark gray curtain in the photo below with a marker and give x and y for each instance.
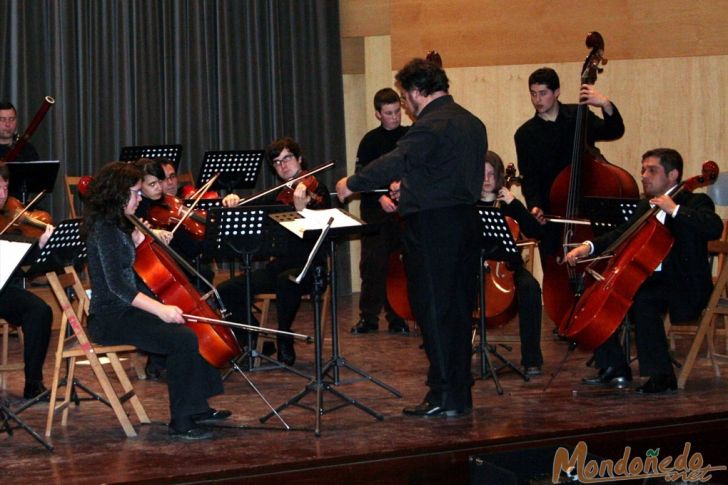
(208, 74)
(211, 75)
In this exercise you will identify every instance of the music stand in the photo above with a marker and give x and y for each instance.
(497, 243)
(238, 169)
(32, 177)
(343, 225)
(607, 213)
(169, 152)
(242, 232)
(13, 251)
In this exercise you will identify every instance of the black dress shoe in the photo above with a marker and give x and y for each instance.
(399, 327)
(425, 410)
(611, 376)
(153, 373)
(364, 326)
(211, 415)
(34, 389)
(659, 384)
(286, 352)
(190, 434)
(532, 370)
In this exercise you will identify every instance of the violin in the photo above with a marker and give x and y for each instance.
(30, 223)
(172, 210)
(285, 196)
(190, 191)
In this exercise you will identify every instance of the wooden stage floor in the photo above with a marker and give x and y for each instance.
(353, 446)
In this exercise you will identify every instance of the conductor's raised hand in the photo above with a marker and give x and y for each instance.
(342, 191)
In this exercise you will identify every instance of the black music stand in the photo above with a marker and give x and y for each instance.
(497, 243)
(607, 213)
(318, 385)
(64, 248)
(14, 249)
(168, 152)
(32, 177)
(238, 169)
(243, 232)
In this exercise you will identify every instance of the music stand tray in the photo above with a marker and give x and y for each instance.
(607, 213)
(168, 152)
(497, 243)
(64, 248)
(32, 177)
(238, 169)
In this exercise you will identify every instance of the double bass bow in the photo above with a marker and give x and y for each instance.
(633, 257)
(588, 175)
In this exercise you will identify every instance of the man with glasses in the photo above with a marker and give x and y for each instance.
(285, 157)
(169, 184)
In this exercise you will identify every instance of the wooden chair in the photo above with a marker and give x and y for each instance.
(4, 365)
(71, 191)
(705, 326)
(78, 345)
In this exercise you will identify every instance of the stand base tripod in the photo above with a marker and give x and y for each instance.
(6, 415)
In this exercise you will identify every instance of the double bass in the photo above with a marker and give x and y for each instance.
(634, 257)
(588, 175)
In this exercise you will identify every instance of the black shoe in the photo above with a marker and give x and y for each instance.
(153, 373)
(399, 327)
(425, 410)
(611, 376)
(190, 434)
(34, 389)
(286, 352)
(363, 326)
(532, 370)
(211, 415)
(659, 384)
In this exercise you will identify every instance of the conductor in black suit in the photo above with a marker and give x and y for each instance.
(681, 285)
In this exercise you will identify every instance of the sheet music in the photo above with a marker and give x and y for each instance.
(11, 254)
(314, 220)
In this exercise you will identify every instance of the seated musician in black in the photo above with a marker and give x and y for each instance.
(681, 285)
(285, 157)
(26, 310)
(123, 311)
(528, 291)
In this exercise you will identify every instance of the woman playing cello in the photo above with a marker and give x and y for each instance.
(123, 313)
(528, 292)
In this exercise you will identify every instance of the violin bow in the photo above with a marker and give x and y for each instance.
(198, 196)
(318, 169)
(19, 214)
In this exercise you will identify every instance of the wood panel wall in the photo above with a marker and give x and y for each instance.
(667, 69)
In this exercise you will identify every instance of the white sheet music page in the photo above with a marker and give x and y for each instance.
(317, 219)
(11, 254)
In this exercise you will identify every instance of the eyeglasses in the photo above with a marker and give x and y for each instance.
(7, 119)
(281, 161)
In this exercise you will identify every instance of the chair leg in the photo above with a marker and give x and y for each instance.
(70, 376)
(128, 388)
(112, 397)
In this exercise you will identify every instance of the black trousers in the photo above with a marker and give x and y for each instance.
(190, 379)
(23, 308)
(528, 294)
(271, 279)
(651, 303)
(441, 260)
(373, 269)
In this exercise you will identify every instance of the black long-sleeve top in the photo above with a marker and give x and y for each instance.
(439, 160)
(111, 256)
(544, 148)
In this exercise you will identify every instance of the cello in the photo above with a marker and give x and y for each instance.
(634, 257)
(589, 174)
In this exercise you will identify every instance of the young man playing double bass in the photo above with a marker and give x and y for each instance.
(681, 285)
